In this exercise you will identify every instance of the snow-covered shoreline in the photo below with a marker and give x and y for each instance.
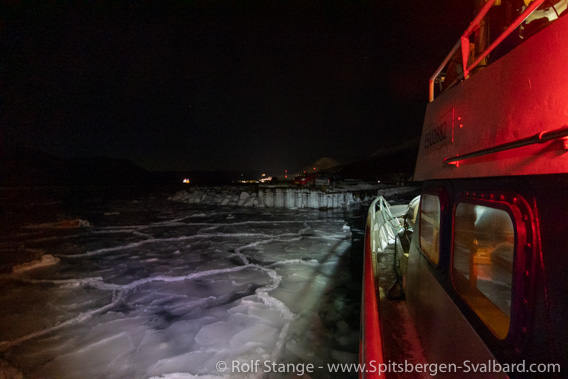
(285, 197)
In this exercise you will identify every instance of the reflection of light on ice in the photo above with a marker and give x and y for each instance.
(45, 260)
(178, 296)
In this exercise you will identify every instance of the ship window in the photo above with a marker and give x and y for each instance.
(484, 245)
(430, 226)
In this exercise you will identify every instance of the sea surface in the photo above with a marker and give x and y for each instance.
(120, 282)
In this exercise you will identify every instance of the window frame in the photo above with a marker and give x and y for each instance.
(517, 210)
(440, 194)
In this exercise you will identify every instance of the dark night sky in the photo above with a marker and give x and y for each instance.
(261, 85)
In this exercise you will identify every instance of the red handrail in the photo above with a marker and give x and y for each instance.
(464, 42)
(541, 137)
(518, 21)
(371, 354)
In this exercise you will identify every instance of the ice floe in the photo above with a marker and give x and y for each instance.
(44, 261)
(173, 297)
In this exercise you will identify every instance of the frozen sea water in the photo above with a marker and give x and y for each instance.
(134, 286)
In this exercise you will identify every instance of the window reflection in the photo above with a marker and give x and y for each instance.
(483, 262)
(430, 226)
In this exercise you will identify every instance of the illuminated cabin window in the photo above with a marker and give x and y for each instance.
(484, 245)
(430, 226)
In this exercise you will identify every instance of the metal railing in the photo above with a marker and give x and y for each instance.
(463, 42)
(384, 226)
(541, 137)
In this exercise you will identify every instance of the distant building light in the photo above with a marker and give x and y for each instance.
(186, 181)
